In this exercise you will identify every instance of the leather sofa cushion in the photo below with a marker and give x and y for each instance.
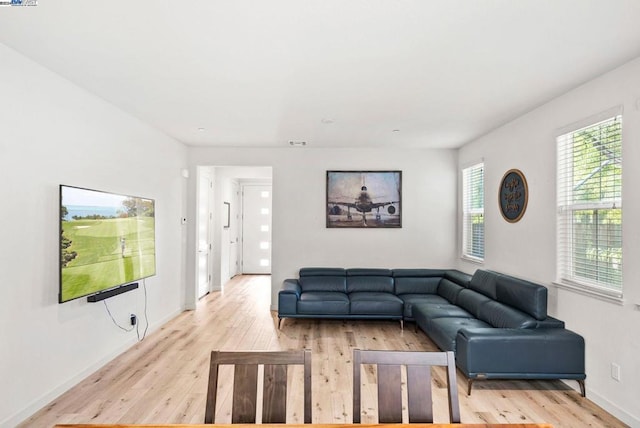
(458, 277)
(503, 316)
(449, 290)
(416, 285)
(368, 272)
(410, 300)
(373, 303)
(322, 271)
(443, 331)
(484, 281)
(471, 301)
(323, 283)
(379, 284)
(323, 303)
(442, 310)
(524, 295)
(423, 273)
(424, 314)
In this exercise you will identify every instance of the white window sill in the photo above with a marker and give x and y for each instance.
(471, 259)
(591, 292)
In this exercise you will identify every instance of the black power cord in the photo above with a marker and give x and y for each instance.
(133, 318)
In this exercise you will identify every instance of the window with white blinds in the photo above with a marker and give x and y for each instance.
(473, 212)
(589, 217)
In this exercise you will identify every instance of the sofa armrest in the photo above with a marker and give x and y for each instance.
(550, 322)
(288, 297)
(541, 353)
(291, 286)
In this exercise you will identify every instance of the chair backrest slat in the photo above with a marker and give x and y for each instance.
(245, 381)
(419, 388)
(275, 394)
(419, 394)
(389, 394)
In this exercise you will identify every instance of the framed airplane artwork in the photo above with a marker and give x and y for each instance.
(364, 199)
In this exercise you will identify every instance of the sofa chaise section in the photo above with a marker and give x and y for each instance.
(501, 330)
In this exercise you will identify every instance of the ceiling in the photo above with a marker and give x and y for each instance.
(332, 73)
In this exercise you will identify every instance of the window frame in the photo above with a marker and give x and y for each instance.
(468, 242)
(567, 206)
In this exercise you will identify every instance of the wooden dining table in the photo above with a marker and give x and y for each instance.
(486, 425)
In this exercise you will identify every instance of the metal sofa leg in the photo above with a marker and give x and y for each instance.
(280, 323)
(401, 324)
(469, 385)
(583, 390)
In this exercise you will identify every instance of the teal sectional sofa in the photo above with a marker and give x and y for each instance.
(496, 324)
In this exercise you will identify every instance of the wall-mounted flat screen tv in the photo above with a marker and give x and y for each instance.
(106, 240)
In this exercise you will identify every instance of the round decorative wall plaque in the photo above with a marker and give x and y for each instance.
(513, 195)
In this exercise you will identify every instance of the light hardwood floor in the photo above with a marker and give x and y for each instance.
(164, 377)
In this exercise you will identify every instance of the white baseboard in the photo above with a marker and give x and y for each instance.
(48, 397)
(624, 416)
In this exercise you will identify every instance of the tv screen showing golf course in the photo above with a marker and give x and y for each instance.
(106, 240)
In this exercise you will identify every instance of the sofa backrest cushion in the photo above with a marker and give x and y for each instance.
(323, 283)
(380, 284)
(458, 277)
(523, 295)
(323, 279)
(369, 272)
(322, 271)
(484, 281)
(410, 273)
(503, 316)
(449, 290)
(416, 285)
(471, 301)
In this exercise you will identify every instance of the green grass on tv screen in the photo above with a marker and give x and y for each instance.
(108, 252)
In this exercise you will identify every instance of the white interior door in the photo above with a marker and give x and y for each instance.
(234, 228)
(204, 233)
(256, 229)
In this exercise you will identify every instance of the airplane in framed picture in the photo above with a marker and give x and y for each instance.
(374, 197)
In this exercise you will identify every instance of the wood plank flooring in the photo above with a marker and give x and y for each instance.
(163, 379)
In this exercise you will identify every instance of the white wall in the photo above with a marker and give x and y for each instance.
(527, 249)
(300, 237)
(52, 133)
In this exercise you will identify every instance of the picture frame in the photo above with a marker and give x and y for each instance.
(364, 199)
(226, 215)
(513, 195)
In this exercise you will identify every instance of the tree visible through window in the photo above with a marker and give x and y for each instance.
(473, 212)
(590, 206)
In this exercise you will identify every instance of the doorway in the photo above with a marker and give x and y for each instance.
(205, 246)
(256, 229)
(225, 250)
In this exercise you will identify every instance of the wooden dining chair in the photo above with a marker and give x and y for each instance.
(245, 384)
(419, 392)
